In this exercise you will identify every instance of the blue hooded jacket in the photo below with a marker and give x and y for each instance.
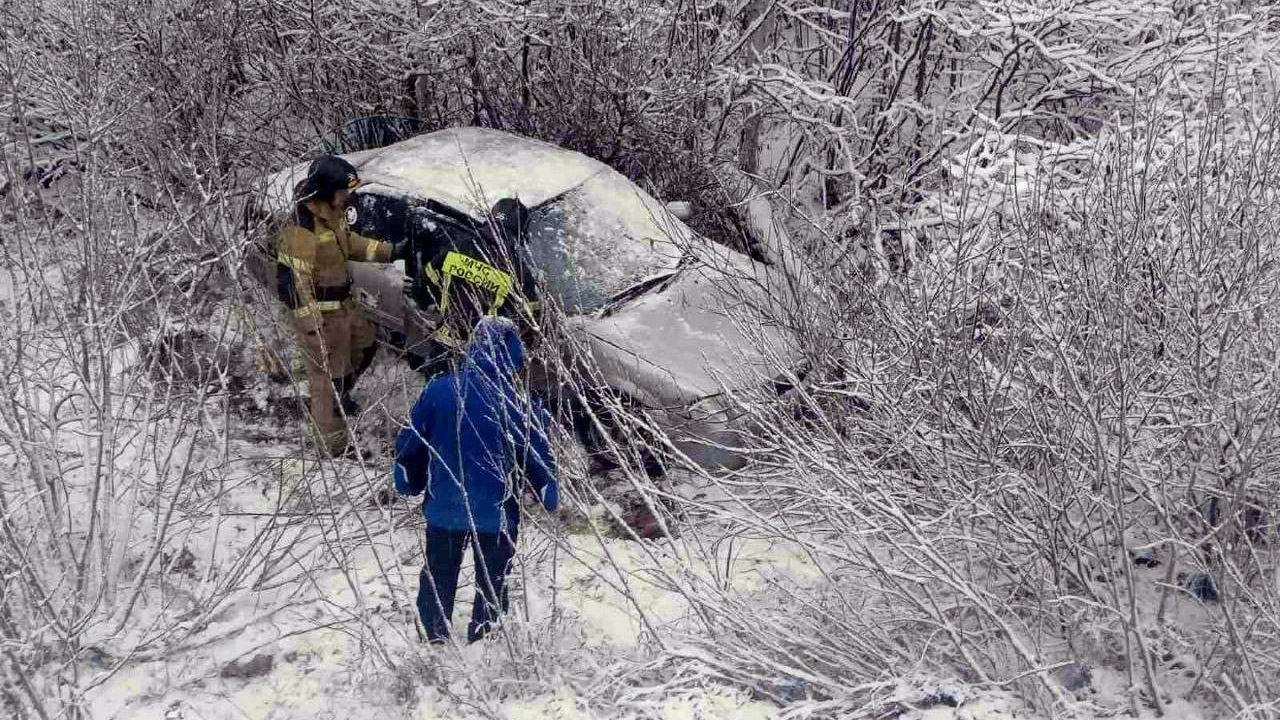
(468, 434)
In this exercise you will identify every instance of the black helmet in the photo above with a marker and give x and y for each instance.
(327, 175)
(511, 216)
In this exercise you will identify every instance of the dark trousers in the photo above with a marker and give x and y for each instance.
(438, 582)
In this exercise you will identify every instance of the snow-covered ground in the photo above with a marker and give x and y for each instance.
(333, 633)
(319, 619)
(300, 589)
(283, 589)
(597, 628)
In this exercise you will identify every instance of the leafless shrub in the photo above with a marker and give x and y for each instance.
(1042, 246)
(1031, 401)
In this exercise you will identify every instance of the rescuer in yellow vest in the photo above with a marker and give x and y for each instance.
(335, 335)
(482, 271)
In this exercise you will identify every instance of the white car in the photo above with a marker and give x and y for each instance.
(666, 322)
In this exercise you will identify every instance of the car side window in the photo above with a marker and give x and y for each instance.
(378, 216)
(392, 219)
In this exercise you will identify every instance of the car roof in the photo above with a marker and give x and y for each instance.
(466, 168)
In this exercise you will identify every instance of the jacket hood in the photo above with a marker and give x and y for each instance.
(495, 349)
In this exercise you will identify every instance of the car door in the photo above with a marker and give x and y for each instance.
(379, 287)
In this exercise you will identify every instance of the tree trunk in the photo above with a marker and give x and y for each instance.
(758, 23)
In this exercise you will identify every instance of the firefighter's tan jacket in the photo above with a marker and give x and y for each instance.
(318, 258)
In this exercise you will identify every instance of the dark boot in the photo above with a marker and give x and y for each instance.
(493, 553)
(366, 359)
(350, 406)
(342, 387)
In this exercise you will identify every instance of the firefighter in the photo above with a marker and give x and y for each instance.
(335, 335)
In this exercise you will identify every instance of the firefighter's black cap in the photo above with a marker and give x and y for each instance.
(327, 175)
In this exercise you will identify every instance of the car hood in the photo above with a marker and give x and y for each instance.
(713, 327)
(466, 168)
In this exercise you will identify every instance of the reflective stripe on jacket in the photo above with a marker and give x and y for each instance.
(318, 256)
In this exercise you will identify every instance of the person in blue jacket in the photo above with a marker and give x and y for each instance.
(473, 443)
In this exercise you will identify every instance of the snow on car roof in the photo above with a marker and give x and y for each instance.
(466, 168)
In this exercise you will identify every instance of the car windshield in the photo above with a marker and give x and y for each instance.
(601, 238)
